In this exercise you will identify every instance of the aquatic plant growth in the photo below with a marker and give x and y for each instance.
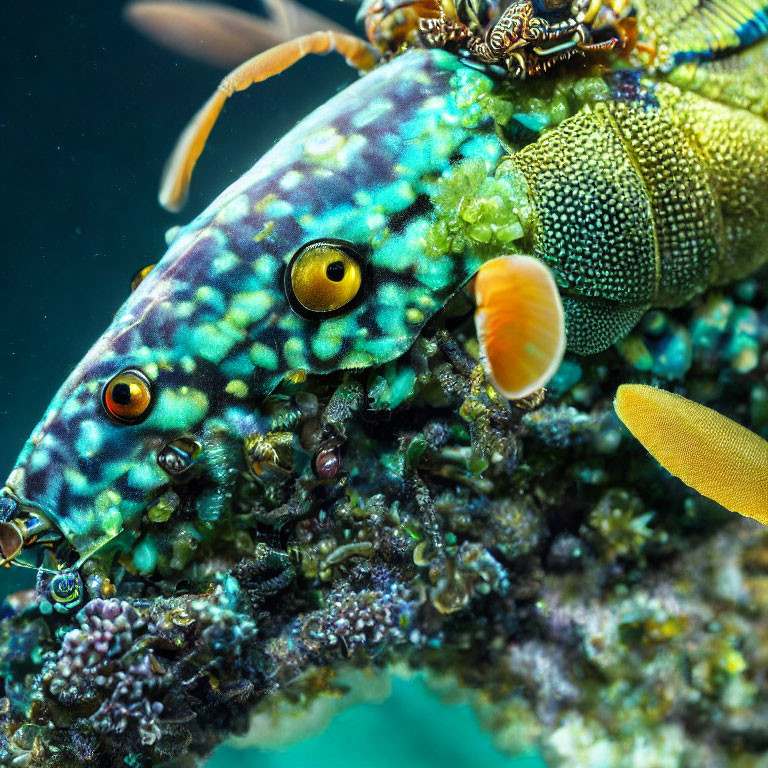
(316, 435)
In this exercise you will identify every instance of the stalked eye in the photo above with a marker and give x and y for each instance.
(66, 588)
(324, 277)
(127, 397)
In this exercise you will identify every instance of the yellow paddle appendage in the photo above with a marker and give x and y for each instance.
(714, 455)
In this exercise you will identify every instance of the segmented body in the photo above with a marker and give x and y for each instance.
(670, 188)
(639, 185)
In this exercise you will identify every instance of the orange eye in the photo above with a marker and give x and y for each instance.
(324, 278)
(128, 396)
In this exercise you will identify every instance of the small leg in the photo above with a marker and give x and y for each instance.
(174, 185)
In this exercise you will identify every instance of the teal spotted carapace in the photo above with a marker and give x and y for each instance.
(212, 326)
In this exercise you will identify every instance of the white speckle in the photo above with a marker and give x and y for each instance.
(324, 143)
(291, 180)
(235, 210)
(172, 234)
(373, 112)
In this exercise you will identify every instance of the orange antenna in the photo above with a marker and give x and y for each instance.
(178, 170)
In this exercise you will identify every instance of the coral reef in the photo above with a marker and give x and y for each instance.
(528, 556)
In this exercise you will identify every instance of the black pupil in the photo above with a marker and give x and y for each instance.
(121, 393)
(335, 271)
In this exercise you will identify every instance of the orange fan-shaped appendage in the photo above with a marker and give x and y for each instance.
(520, 324)
(714, 455)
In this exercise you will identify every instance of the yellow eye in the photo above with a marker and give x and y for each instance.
(128, 396)
(138, 278)
(323, 277)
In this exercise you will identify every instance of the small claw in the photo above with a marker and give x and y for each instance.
(606, 45)
(517, 59)
(18, 533)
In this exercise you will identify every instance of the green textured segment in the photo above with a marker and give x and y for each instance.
(741, 84)
(592, 327)
(686, 222)
(595, 226)
(732, 148)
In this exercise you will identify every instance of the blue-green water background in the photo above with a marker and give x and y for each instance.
(88, 113)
